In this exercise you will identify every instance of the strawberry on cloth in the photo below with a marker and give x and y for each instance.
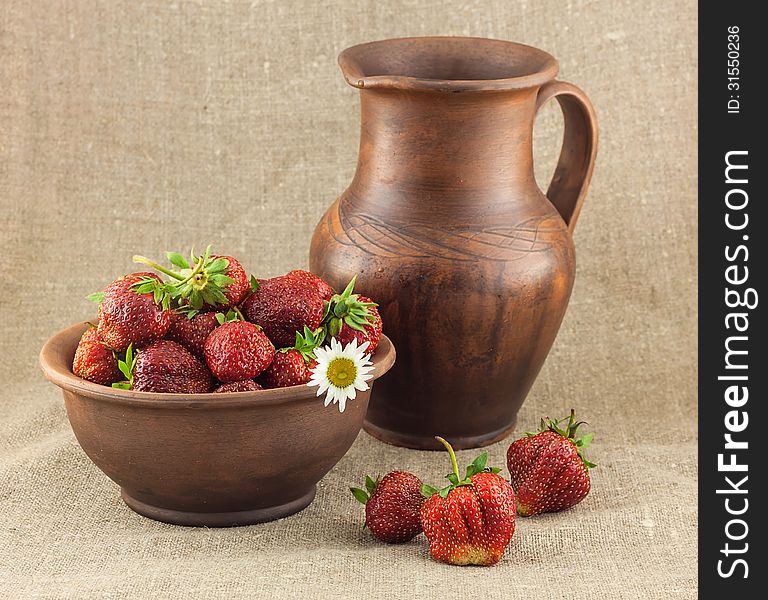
(392, 506)
(548, 469)
(471, 521)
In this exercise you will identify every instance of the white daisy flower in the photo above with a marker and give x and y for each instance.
(341, 372)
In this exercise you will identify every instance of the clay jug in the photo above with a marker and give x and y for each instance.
(447, 229)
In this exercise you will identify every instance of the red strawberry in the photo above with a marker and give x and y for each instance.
(351, 316)
(292, 366)
(283, 306)
(392, 506)
(323, 288)
(238, 350)
(240, 285)
(127, 317)
(249, 385)
(90, 335)
(164, 367)
(549, 471)
(209, 282)
(471, 521)
(94, 361)
(192, 333)
(288, 368)
(371, 331)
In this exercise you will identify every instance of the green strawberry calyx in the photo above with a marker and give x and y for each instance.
(199, 282)
(363, 496)
(477, 466)
(126, 368)
(347, 308)
(568, 432)
(306, 342)
(233, 314)
(97, 297)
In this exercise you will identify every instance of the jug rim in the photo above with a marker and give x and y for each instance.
(408, 63)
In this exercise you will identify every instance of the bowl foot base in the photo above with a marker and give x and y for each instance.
(221, 519)
(420, 442)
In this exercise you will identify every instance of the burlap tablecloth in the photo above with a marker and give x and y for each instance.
(146, 126)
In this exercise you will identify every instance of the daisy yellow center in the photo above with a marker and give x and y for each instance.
(341, 372)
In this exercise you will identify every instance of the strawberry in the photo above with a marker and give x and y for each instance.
(94, 361)
(471, 521)
(210, 282)
(351, 316)
(238, 350)
(128, 316)
(292, 366)
(288, 368)
(192, 332)
(241, 284)
(548, 469)
(164, 367)
(323, 288)
(283, 306)
(370, 332)
(392, 506)
(249, 385)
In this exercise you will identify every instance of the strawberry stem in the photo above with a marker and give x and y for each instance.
(451, 453)
(181, 279)
(145, 261)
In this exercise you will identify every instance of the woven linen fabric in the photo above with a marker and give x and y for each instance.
(130, 127)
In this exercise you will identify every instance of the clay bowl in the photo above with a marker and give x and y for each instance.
(212, 460)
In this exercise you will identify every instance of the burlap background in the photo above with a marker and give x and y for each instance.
(146, 126)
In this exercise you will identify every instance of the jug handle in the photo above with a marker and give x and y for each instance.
(577, 156)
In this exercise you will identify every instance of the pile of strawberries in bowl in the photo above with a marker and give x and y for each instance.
(204, 325)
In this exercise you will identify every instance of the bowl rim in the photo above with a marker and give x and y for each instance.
(58, 370)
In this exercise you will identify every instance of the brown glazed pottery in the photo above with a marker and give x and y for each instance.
(471, 263)
(208, 459)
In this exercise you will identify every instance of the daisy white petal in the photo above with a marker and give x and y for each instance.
(349, 349)
(333, 392)
(341, 372)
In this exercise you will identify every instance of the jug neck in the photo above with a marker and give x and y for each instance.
(446, 141)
